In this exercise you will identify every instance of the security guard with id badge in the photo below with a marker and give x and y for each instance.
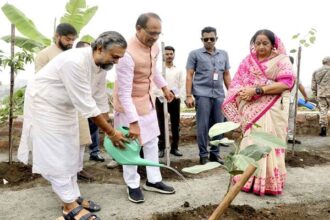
(207, 72)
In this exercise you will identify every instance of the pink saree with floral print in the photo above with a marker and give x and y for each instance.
(270, 112)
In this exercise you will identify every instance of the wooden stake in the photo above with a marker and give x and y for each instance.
(232, 193)
(165, 108)
(295, 105)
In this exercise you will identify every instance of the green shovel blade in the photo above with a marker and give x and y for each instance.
(130, 155)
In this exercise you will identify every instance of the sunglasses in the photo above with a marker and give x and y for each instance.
(207, 39)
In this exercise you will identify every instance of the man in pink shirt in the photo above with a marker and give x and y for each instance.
(134, 105)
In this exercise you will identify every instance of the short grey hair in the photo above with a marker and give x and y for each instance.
(109, 39)
(144, 18)
(325, 60)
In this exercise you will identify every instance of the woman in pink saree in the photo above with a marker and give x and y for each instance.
(259, 94)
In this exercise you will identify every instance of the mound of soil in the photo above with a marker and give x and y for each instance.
(320, 211)
(20, 176)
(15, 174)
(304, 158)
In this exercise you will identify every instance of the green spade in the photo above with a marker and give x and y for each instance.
(131, 154)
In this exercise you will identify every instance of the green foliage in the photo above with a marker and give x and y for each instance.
(110, 85)
(225, 141)
(23, 24)
(306, 40)
(267, 139)
(78, 14)
(221, 128)
(25, 43)
(236, 162)
(18, 100)
(255, 152)
(87, 38)
(18, 61)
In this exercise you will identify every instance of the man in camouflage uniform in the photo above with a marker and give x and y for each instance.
(321, 90)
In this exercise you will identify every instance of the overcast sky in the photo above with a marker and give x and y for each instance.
(236, 21)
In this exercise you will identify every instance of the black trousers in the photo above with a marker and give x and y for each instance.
(174, 111)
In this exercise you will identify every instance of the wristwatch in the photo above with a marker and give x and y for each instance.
(259, 90)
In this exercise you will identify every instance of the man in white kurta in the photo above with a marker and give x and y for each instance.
(53, 99)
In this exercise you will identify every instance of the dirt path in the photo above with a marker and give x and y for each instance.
(305, 185)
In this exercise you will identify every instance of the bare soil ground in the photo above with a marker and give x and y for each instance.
(320, 211)
(19, 177)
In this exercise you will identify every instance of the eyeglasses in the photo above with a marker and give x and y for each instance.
(206, 39)
(152, 34)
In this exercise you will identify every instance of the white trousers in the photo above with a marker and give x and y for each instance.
(150, 151)
(81, 157)
(66, 187)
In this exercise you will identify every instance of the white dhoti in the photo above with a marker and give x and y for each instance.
(65, 187)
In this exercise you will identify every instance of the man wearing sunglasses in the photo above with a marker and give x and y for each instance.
(207, 71)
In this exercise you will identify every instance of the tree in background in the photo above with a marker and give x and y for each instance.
(77, 14)
(303, 41)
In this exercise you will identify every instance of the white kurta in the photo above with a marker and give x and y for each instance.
(53, 97)
(148, 124)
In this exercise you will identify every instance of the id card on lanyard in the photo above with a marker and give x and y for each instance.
(215, 74)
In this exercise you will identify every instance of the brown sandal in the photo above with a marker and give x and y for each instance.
(70, 215)
(92, 206)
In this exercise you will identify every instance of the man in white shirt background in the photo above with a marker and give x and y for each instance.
(175, 79)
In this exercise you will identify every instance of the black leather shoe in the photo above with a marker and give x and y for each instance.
(323, 132)
(216, 159)
(161, 153)
(176, 152)
(296, 141)
(203, 160)
(97, 158)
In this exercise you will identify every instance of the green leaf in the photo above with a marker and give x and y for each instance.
(293, 51)
(311, 32)
(306, 45)
(241, 162)
(229, 162)
(312, 39)
(24, 25)
(25, 43)
(224, 141)
(302, 41)
(110, 85)
(235, 172)
(266, 139)
(221, 128)
(295, 36)
(87, 38)
(255, 152)
(78, 14)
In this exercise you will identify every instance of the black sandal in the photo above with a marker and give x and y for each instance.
(92, 206)
(70, 215)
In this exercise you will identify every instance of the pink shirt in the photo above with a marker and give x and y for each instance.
(124, 79)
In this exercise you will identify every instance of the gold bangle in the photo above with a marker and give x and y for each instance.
(188, 95)
(114, 133)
